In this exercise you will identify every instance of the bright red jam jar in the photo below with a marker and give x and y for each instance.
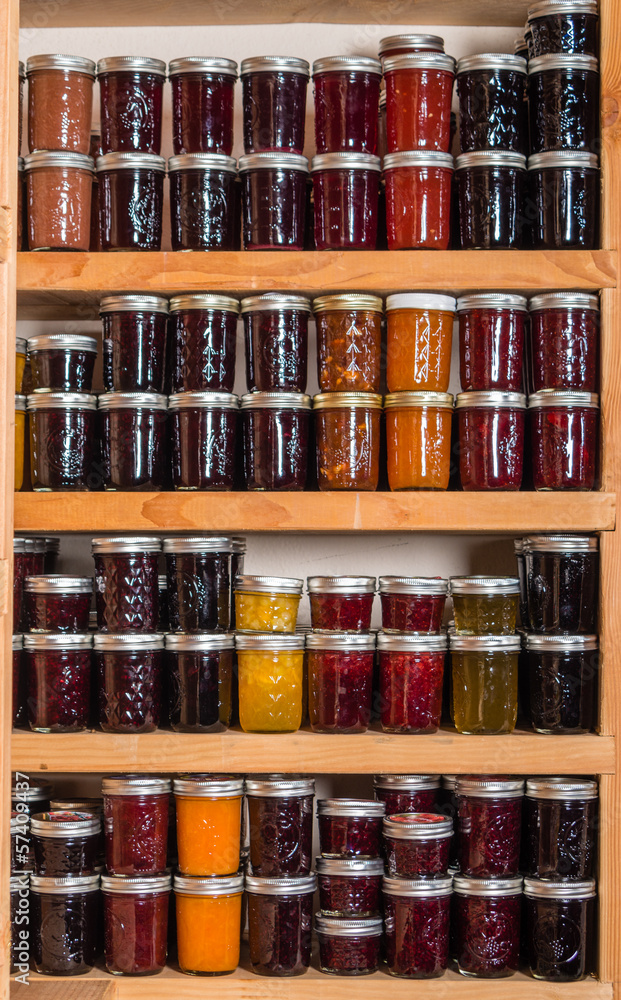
(341, 603)
(416, 922)
(350, 828)
(402, 793)
(418, 199)
(346, 194)
(411, 674)
(419, 89)
(564, 340)
(346, 101)
(491, 341)
(417, 844)
(202, 104)
(491, 440)
(340, 681)
(564, 439)
(136, 823)
(412, 603)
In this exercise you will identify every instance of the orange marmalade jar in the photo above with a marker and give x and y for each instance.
(420, 336)
(349, 342)
(208, 810)
(418, 440)
(208, 924)
(348, 440)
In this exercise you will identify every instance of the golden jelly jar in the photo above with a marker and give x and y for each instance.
(418, 440)
(267, 603)
(485, 605)
(208, 924)
(270, 676)
(208, 808)
(485, 674)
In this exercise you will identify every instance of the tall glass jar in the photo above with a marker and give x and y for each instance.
(564, 188)
(489, 825)
(133, 440)
(199, 587)
(58, 672)
(58, 200)
(418, 440)
(485, 605)
(411, 672)
(204, 432)
(64, 924)
(564, 341)
(209, 816)
(563, 97)
(486, 915)
(131, 196)
(347, 427)
(560, 920)
(203, 341)
(134, 342)
(562, 580)
(416, 922)
(62, 440)
(491, 440)
(18, 692)
(340, 681)
(273, 200)
(346, 90)
(564, 439)
(280, 917)
(202, 104)
(270, 677)
(563, 680)
(484, 673)
(402, 793)
(349, 342)
(130, 91)
(276, 342)
(130, 671)
(491, 341)
(203, 212)
(62, 362)
(492, 89)
(136, 823)
(560, 828)
(419, 88)
(418, 200)
(346, 193)
(135, 923)
(209, 912)
(200, 676)
(280, 824)
(274, 103)
(491, 186)
(126, 583)
(275, 437)
(419, 340)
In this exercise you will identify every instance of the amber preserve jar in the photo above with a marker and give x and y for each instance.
(348, 440)
(58, 200)
(60, 102)
(349, 342)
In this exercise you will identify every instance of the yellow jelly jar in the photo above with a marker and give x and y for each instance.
(267, 603)
(208, 924)
(20, 363)
(20, 435)
(484, 674)
(485, 605)
(270, 672)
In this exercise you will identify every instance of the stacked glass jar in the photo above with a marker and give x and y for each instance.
(31, 557)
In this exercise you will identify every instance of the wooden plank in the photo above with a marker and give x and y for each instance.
(5, 233)
(42, 988)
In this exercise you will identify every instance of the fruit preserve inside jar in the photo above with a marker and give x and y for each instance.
(489, 825)
(280, 916)
(350, 828)
(416, 920)
(350, 887)
(484, 675)
(411, 674)
(135, 923)
(486, 915)
(563, 677)
(136, 824)
(564, 439)
(491, 440)
(412, 604)
(562, 580)
(341, 603)
(275, 438)
(403, 793)
(280, 824)
(340, 681)
(349, 341)
(560, 820)
(491, 341)
(564, 338)
(348, 947)
(348, 431)
(560, 921)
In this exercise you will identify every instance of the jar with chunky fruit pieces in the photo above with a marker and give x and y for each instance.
(131, 196)
(563, 98)
(349, 342)
(419, 89)
(274, 103)
(346, 200)
(350, 887)
(348, 947)
(417, 844)
(493, 108)
(485, 605)
(58, 200)
(133, 427)
(280, 824)
(208, 912)
(350, 828)
(563, 26)
(564, 439)
(276, 341)
(203, 341)
(280, 918)
(208, 809)
(65, 843)
(484, 676)
(419, 339)
(198, 571)
(273, 200)
(62, 362)
(64, 924)
(267, 603)
(135, 923)
(491, 440)
(491, 341)
(130, 672)
(134, 342)
(411, 673)
(58, 603)
(340, 681)
(130, 91)
(58, 673)
(491, 188)
(486, 915)
(136, 823)
(341, 603)
(347, 427)
(60, 99)
(412, 603)
(418, 199)
(564, 340)
(560, 828)
(416, 926)
(200, 678)
(489, 825)
(126, 583)
(275, 440)
(202, 104)
(401, 793)
(418, 440)
(560, 920)
(562, 580)
(62, 440)
(346, 91)
(270, 679)
(204, 432)
(203, 210)
(564, 190)
(563, 680)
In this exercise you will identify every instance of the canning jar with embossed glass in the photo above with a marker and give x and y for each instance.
(412, 603)
(135, 823)
(273, 200)
(402, 793)
(346, 199)
(341, 603)
(485, 605)
(65, 842)
(60, 99)
(560, 919)
(131, 196)
(270, 678)
(417, 844)
(21, 348)
(491, 187)
(58, 672)
(280, 824)
(58, 200)
(57, 603)
(346, 90)
(348, 947)
(347, 427)
(280, 919)
(126, 583)
(411, 672)
(564, 340)
(486, 920)
(267, 603)
(560, 828)
(274, 103)
(133, 427)
(419, 88)
(130, 91)
(419, 339)
(134, 342)
(492, 328)
(491, 439)
(418, 199)
(563, 680)
(350, 887)
(492, 90)
(64, 924)
(276, 429)
(209, 823)
(199, 586)
(340, 681)
(203, 335)
(564, 436)
(200, 672)
(20, 440)
(202, 104)
(418, 440)
(416, 926)
(564, 102)
(562, 580)
(564, 193)
(349, 342)
(202, 201)
(209, 923)
(62, 362)
(484, 673)
(203, 430)
(130, 676)
(276, 342)
(563, 26)
(135, 912)
(350, 828)
(489, 825)
(62, 440)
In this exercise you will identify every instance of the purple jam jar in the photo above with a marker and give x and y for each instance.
(341, 603)
(275, 440)
(486, 922)
(204, 431)
(58, 670)
(62, 440)
(491, 341)
(199, 680)
(135, 912)
(346, 194)
(133, 440)
(202, 201)
(340, 681)
(126, 583)
(412, 603)
(489, 825)
(203, 342)
(274, 103)
(560, 828)
(134, 342)
(564, 341)
(491, 440)
(348, 947)
(493, 108)
(130, 673)
(280, 919)
(416, 926)
(64, 924)
(564, 189)
(407, 793)
(280, 824)
(202, 104)
(199, 584)
(62, 362)
(274, 200)
(346, 102)
(562, 583)
(564, 439)
(131, 197)
(130, 90)
(350, 828)
(411, 675)
(276, 339)
(563, 26)
(350, 887)
(417, 844)
(563, 679)
(563, 101)
(136, 823)
(65, 843)
(560, 920)
(58, 603)
(18, 693)
(491, 186)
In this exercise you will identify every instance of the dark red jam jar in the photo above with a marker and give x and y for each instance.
(126, 583)
(275, 440)
(424, 179)
(131, 196)
(346, 193)
(340, 681)
(204, 430)
(401, 793)
(203, 341)
(274, 103)
(350, 828)
(492, 328)
(491, 439)
(134, 342)
(130, 90)
(419, 89)
(564, 198)
(560, 828)
(135, 914)
(133, 440)
(490, 190)
(563, 26)
(62, 362)
(411, 675)
(564, 438)
(348, 947)
(563, 96)
(203, 192)
(350, 887)
(486, 923)
(130, 672)
(202, 104)
(341, 603)
(58, 603)
(200, 677)
(563, 681)
(489, 825)
(562, 580)
(62, 439)
(280, 918)
(136, 823)
(276, 341)
(417, 844)
(273, 200)
(564, 340)
(64, 924)
(560, 920)
(493, 108)
(280, 824)
(416, 926)
(58, 671)
(18, 694)
(199, 584)
(346, 92)
(65, 843)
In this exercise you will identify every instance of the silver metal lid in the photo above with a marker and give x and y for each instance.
(208, 786)
(564, 300)
(346, 161)
(564, 158)
(19, 883)
(199, 642)
(61, 886)
(201, 64)
(202, 161)
(492, 300)
(274, 301)
(359, 927)
(418, 158)
(21, 344)
(417, 888)
(35, 790)
(268, 584)
(47, 158)
(135, 784)
(61, 401)
(275, 64)
(429, 586)
(271, 161)
(358, 642)
(348, 302)
(239, 544)
(560, 643)
(285, 885)
(544, 8)
(34, 545)
(194, 544)
(421, 300)
(228, 885)
(362, 808)
(275, 401)
(419, 60)
(347, 64)
(415, 43)
(488, 886)
(345, 400)
(490, 400)
(133, 303)
(417, 826)
(203, 400)
(340, 584)
(496, 585)
(272, 641)
(20, 403)
(21, 70)
(561, 543)
(274, 786)
(129, 544)
(449, 782)
(19, 545)
(406, 782)
(204, 301)
(418, 400)
(492, 61)
(130, 161)
(127, 642)
(70, 64)
(70, 341)
(18, 642)
(562, 788)
(484, 643)
(59, 584)
(132, 400)
(131, 64)
(563, 397)
(490, 158)
(122, 884)
(59, 824)
(412, 642)
(92, 806)
(58, 640)
(489, 786)
(565, 61)
(538, 888)
(349, 866)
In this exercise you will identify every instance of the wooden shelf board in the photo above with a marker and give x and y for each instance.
(445, 751)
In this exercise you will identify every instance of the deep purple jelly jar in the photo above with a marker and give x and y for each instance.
(491, 341)
(131, 197)
(341, 603)
(280, 824)
(134, 342)
(564, 192)
(407, 793)
(564, 439)
(340, 681)
(563, 99)
(491, 440)
(133, 440)
(203, 192)
(126, 583)
(275, 440)
(62, 362)
(135, 914)
(417, 844)
(62, 440)
(346, 104)
(58, 670)
(350, 828)
(280, 919)
(58, 603)
(563, 681)
(350, 887)
(348, 947)
(65, 843)
(489, 825)
(486, 921)
(412, 603)
(560, 828)
(490, 186)
(416, 926)
(273, 200)
(563, 27)
(560, 923)
(346, 197)
(202, 104)
(130, 89)
(204, 430)
(564, 339)
(203, 335)
(411, 675)
(562, 583)
(200, 679)
(136, 823)
(130, 672)
(199, 585)
(276, 341)
(492, 90)
(274, 103)
(18, 693)
(64, 924)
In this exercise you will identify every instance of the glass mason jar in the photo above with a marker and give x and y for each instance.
(21, 232)
(270, 679)
(419, 339)
(21, 76)
(58, 673)
(19, 574)
(493, 108)
(133, 440)
(341, 603)
(131, 196)
(273, 200)
(57, 603)
(135, 912)
(60, 99)
(203, 335)
(560, 828)
(208, 912)
(564, 193)
(276, 342)
(350, 887)
(340, 681)
(62, 362)
(202, 201)
(349, 342)
(419, 88)
(64, 924)
(563, 680)
(134, 342)
(130, 672)
(563, 97)
(130, 91)
(199, 585)
(209, 816)
(416, 926)
(350, 828)
(275, 438)
(412, 603)
(237, 568)
(346, 197)
(202, 104)
(492, 328)
(346, 90)
(418, 440)
(347, 427)
(564, 439)
(491, 187)
(267, 603)
(418, 199)
(204, 431)
(126, 583)
(560, 920)
(395, 45)
(274, 103)
(136, 823)
(348, 947)
(62, 440)
(564, 26)
(20, 442)
(58, 200)
(18, 686)
(491, 440)
(564, 341)
(411, 673)
(489, 825)
(200, 676)
(65, 843)
(484, 673)
(280, 824)
(417, 844)
(485, 605)
(280, 918)
(401, 793)
(562, 580)
(518, 551)
(486, 921)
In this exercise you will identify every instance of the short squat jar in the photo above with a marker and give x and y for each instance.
(204, 432)
(419, 340)
(489, 821)
(562, 581)
(563, 26)
(271, 681)
(417, 844)
(419, 88)
(134, 342)
(58, 200)
(563, 102)
(126, 583)
(199, 585)
(203, 340)
(564, 193)
(280, 824)
(273, 200)
(62, 440)
(275, 440)
(274, 103)
(60, 99)
(62, 362)
(563, 679)
(136, 823)
(484, 672)
(280, 918)
(349, 342)
(347, 92)
(347, 427)
(202, 104)
(130, 671)
(135, 913)
(402, 793)
(131, 195)
(267, 603)
(133, 440)
(340, 681)
(208, 912)
(203, 193)
(416, 926)
(200, 676)
(492, 328)
(485, 605)
(276, 342)
(411, 673)
(348, 947)
(418, 440)
(560, 920)
(64, 924)
(412, 603)
(346, 198)
(350, 828)
(491, 440)
(341, 603)
(58, 603)
(58, 672)
(564, 439)
(65, 843)
(564, 340)
(130, 91)
(486, 914)
(418, 200)
(492, 90)
(350, 887)
(560, 828)
(491, 187)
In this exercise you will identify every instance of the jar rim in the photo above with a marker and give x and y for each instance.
(406, 782)
(17, 641)
(349, 866)
(563, 60)
(57, 158)
(60, 823)
(59, 584)
(129, 161)
(428, 585)
(348, 302)
(135, 784)
(71, 341)
(59, 886)
(108, 642)
(560, 643)
(421, 300)
(412, 642)
(468, 886)
(561, 787)
(492, 300)
(365, 808)
(490, 399)
(205, 64)
(203, 399)
(274, 786)
(499, 585)
(545, 7)
(267, 161)
(132, 400)
(274, 301)
(485, 643)
(209, 786)
(76, 641)
(118, 64)
(492, 61)
(197, 544)
(563, 158)
(567, 889)
(345, 400)
(417, 826)
(267, 584)
(104, 545)
(197, 642)
(346, 161)
(358, 927)
(491, 158)
(421, 59)
(275, 64)
(340, 584)
(441, 886)
(121, 884)
(191, 885)
(55, 61)
(564, 300)
(416, 42)
(418, 400)
(355, 642)
(204, 300)
(202, 161)
(418, 158)
(561, 543)
(275, 401)
(133, 303)
(347, 64)
(489, 786)
(563, 397)
(283, 885)
(44, 400)
(269, 641)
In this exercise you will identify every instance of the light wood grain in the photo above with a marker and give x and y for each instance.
(42, 988)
